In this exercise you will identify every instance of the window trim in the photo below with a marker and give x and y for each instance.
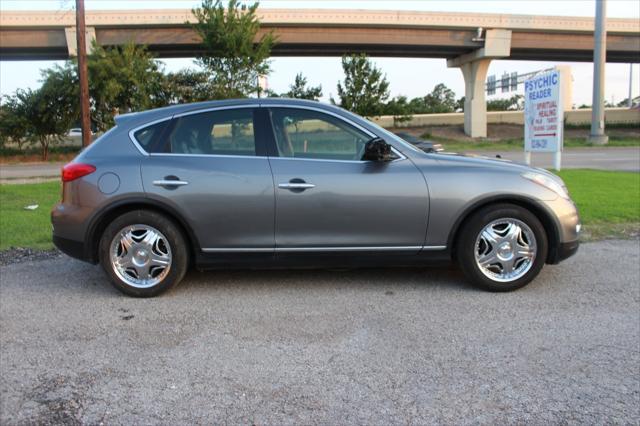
(270, 144)
(349, 122)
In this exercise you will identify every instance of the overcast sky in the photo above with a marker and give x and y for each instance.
(410, 77)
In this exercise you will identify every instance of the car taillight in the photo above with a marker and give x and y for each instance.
(73, 171)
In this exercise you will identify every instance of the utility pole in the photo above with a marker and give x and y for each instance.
(85, 121)
(629, 100)
(597, 135)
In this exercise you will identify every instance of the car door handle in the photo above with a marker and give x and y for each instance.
(170, 182)
(296, 185)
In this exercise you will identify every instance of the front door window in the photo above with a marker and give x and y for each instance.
(310, 134)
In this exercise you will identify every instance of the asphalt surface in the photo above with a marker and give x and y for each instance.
(622, 159)
(594, 158)
(320, 347)
(29, 171)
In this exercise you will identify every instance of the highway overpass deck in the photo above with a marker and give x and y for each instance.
(324, 32)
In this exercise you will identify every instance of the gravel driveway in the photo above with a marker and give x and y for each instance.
(321, 347)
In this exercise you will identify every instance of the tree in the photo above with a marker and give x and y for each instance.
(299, 89)
(514, 103)
(271, 94)
(365, 88)
(231, 57)
(13, 123)
(623, 103)
(400, 109)
(440, 100)
(123, 79)
(185, 86)
(43, 115)
(417, 106)
(47, 113)
(62, 83)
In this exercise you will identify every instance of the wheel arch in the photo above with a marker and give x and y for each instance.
(101, 220)
(550, 224)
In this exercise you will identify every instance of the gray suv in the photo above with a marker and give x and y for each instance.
(273, 183)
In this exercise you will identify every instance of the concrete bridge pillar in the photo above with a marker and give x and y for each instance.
(475, 104)
(72, 45)
(474, 67)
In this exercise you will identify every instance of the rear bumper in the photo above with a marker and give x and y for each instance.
(72, 248)
(563, 251)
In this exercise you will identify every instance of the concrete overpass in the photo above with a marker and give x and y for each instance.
(304, 32)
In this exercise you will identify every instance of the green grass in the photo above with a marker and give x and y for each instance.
(604, 196)
(27, 228)
(609, 204)
(453, 145)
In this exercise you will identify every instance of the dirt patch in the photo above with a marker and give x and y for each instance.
(21, 254)
(37, 158)
(610, 231)
(59, 399)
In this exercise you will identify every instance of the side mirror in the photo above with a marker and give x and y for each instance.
(377, 150)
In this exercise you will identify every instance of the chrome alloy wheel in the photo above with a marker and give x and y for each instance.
(505, 250)
(140, 256)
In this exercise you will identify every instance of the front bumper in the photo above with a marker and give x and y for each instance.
(568, 228)
(562, 251)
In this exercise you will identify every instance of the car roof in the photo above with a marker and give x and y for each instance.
(138, 118)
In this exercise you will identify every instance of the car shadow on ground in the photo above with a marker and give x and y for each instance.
(301, 279)
(73, 276)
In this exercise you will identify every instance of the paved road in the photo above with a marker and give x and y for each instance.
(607, 158)
(625, 159)
(312, 347)
(29, 170)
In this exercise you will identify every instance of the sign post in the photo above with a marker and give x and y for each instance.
(544, 115)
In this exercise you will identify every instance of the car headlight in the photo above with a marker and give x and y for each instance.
(548, 183)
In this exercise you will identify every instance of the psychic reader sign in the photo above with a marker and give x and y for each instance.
(543, 113)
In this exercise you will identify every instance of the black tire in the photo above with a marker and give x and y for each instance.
(466, 245)
(174, 237)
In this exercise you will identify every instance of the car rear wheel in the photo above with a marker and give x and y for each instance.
(502, 247)
(143, 253)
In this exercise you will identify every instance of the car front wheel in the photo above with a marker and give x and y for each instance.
(502, 247)
(143, 253)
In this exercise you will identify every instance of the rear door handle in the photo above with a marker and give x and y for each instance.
(170, 181)
(296, 185)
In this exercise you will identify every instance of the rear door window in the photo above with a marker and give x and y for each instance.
(220, 132)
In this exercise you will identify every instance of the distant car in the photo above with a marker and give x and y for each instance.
(425, 145)
(258, 183)
(75, 132)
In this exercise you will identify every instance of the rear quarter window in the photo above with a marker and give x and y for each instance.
(150, 138)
